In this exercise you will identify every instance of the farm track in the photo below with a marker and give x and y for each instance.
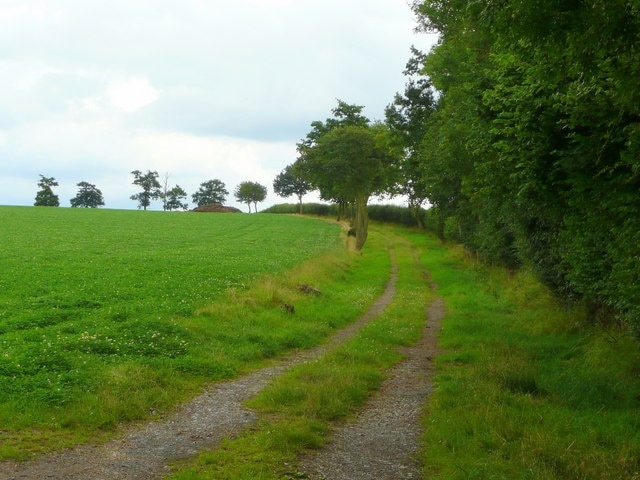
(380, 444)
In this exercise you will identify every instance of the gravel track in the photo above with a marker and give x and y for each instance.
(383, 441)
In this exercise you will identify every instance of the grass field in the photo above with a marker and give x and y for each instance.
(97, 312)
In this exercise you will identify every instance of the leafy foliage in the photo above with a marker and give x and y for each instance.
(88, 196)
(290, 182)
(151, 188)
(533, 152)
(211, 191)
(251, 192)
(407, 118)
(348, 160)
(45, 196)
(173, 199)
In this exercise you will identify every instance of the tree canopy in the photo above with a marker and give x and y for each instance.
(88, 196)
(348, 159)
(532, 156)
(211, 191)
(45, 196)
(251, 192)
(173, 199)
(151, 188)
(291, 182)
(408, 120)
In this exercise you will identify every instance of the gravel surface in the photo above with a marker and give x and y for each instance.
(381, 443)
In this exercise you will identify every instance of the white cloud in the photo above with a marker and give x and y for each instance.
(132, 94)
(13, 10)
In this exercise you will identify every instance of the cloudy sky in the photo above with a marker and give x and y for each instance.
(197, 89)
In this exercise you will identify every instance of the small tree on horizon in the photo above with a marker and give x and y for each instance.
(251, 192)
(289, 182)
(151, 188)
(45, 196)
(88, 196)
(212, 191)
(173, 199)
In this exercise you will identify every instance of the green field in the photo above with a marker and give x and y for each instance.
(108, 317)
(97, 311)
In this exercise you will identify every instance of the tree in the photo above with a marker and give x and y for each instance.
(173, 199)
(212, 191)
(45, 196)
(538, 107)
(290, 182)
(88, 196)
(347, 158)
(251, 192)
(151, 188)
(407, 118)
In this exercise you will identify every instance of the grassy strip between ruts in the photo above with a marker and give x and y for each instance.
(301, 407)
(525, 388)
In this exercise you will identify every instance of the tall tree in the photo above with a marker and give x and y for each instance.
(211, 191)
(88, 196)
(346, 157)
(540, 99)
(45, 196)
(251, 192)
(290, 182)
(407, 118)
(151, 188)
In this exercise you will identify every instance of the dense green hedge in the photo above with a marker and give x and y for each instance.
(533, 153)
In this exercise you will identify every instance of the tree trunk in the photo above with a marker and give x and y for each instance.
(361, 223)
(417, 213)
(441, 225)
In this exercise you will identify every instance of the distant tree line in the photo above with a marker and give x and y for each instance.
(172, 197)
(88, 195)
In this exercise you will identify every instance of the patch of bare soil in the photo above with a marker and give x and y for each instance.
(383, 441)
(145, 452)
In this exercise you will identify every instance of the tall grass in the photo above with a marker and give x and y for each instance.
(526, 389)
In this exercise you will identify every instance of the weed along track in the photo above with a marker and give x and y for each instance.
(145, 452)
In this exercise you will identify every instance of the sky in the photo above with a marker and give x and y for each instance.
(196, 90)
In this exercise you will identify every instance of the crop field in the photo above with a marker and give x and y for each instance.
(97, 310)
